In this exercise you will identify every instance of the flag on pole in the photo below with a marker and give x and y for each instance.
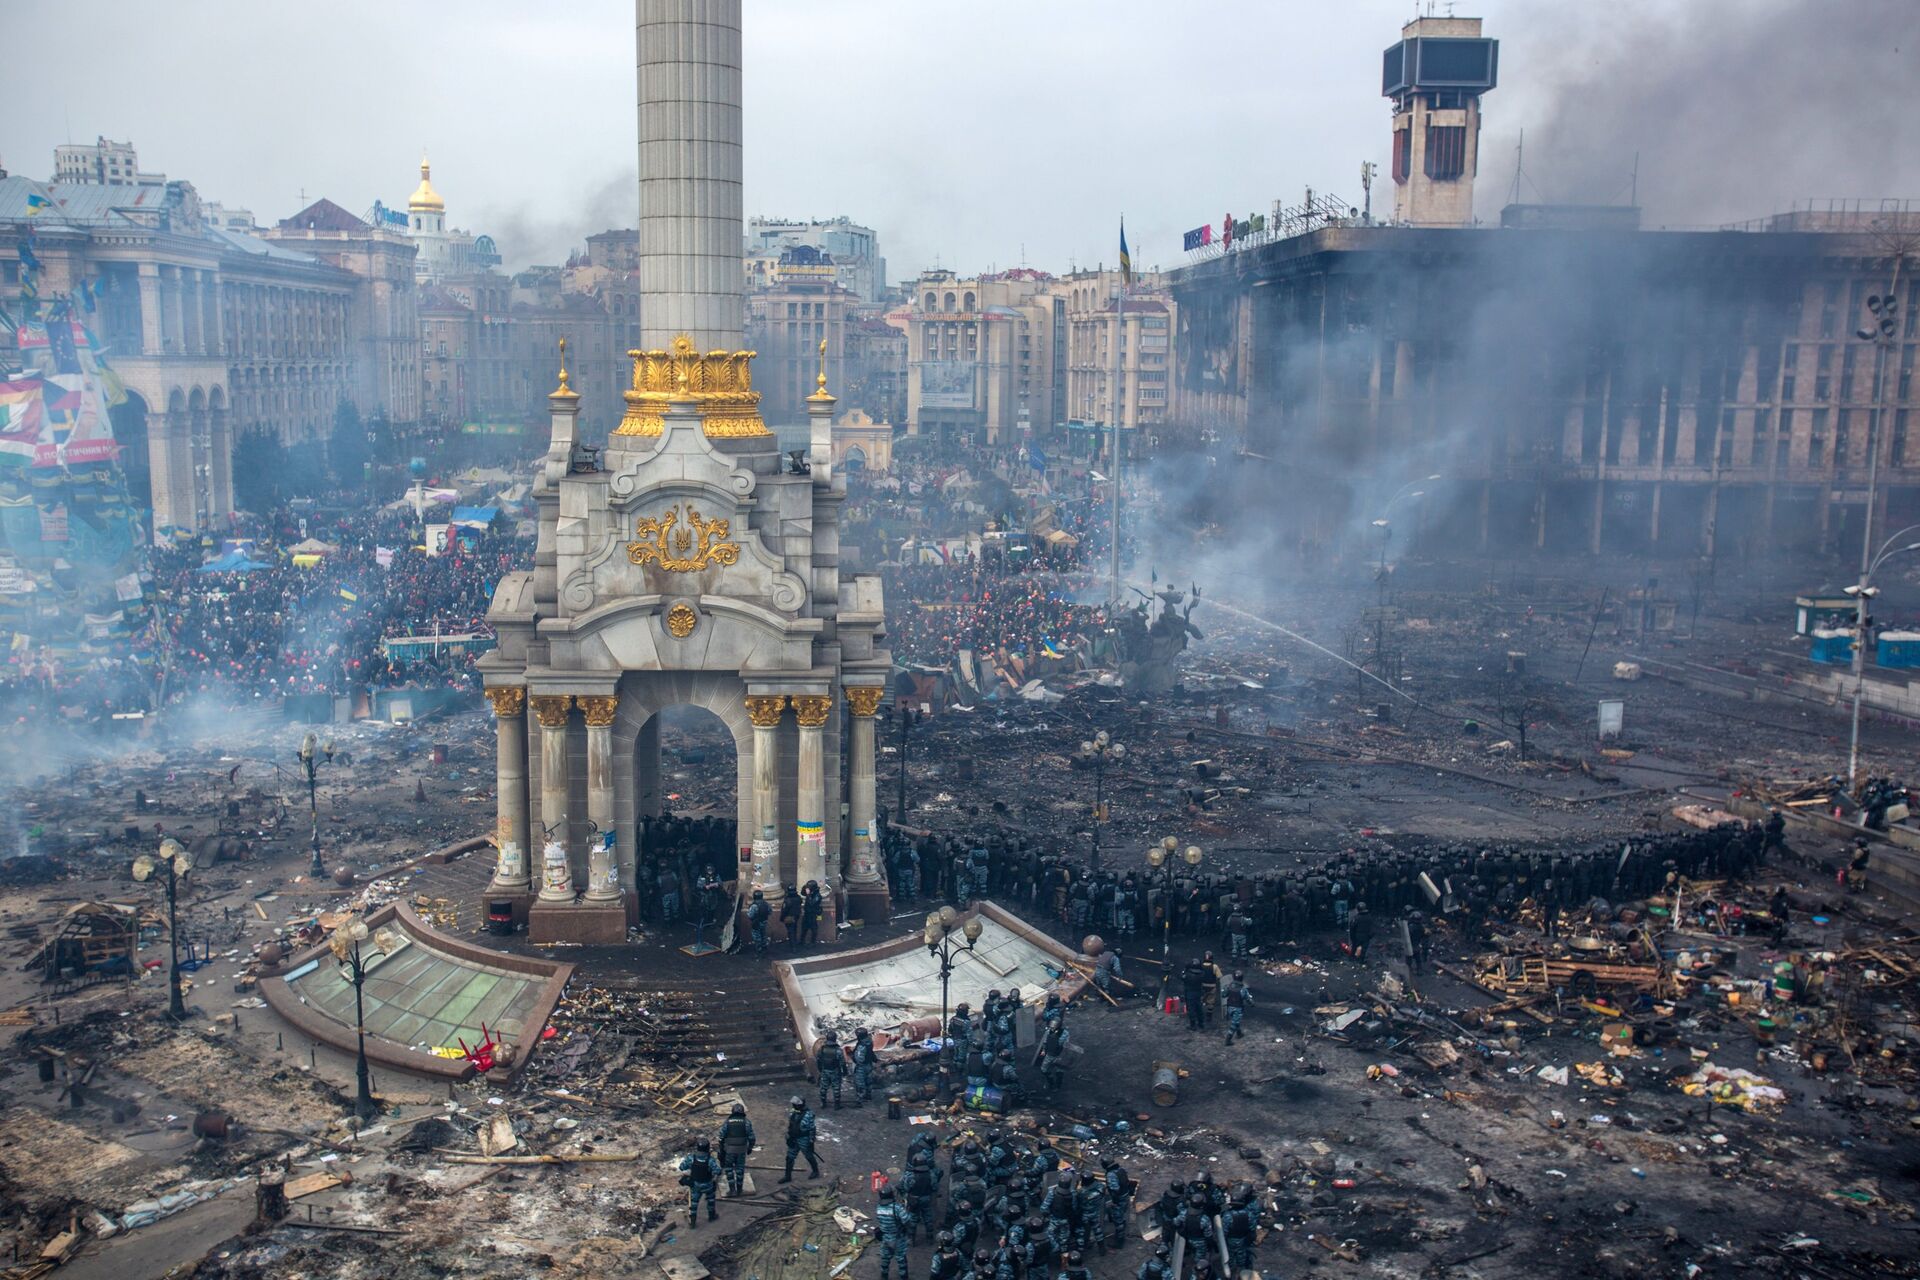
(37, 204)
(1126, 259)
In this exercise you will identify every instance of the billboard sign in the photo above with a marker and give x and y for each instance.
(947, 384)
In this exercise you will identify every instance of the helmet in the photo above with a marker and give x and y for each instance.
(833, 1035)
(993, 1135)
(1066, 1177)
(1073, 1258)
(863, 1034)
(1239, 976)
(799, 1103)
(920, 1158)
(886, 1193)
(971, 1146)
(758, 895)
(1206, 1178)
(946, 1240)
(1242, 1192)
(1161, 1251)
(702, 1144)
(739, 1109)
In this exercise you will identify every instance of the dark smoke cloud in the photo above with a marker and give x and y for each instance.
(527, 235)
(1736, 108)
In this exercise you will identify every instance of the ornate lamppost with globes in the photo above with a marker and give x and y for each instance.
(943, 946)
(345, 943)
(312, 754)
(1099, 750)
(173, 863)
(1165, 858)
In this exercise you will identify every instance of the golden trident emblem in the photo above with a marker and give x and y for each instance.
(673, 549)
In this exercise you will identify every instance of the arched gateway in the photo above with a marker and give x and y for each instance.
(693, 564)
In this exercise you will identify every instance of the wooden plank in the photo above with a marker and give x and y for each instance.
(308, 1184)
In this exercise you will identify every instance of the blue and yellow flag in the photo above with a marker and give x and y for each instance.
(37, 204)
(1126, 259)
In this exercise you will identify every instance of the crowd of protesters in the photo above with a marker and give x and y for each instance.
(291, 626)
(978, 553)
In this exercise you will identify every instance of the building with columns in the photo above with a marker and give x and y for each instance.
(214, 332)
(688, 565)
(1093, 317)
(787, 322)
(984, 354)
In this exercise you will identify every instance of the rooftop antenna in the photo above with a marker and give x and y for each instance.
(1633, 198)
(1519, 166)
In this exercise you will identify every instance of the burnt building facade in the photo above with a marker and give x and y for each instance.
(1578, 384)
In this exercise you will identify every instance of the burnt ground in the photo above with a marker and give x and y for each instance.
(1459, 1170)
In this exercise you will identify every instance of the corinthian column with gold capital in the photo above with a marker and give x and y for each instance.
(810, 807)
(765, 710)
(556, 871)
(598, 710)
(864, 866)
(510, 788)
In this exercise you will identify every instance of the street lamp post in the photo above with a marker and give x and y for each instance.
(1100, 749)
(942, 945)
(312, 755)
(1862, 592)
(175, 862)
(907, 717)
(345, 943)
(1165, 858)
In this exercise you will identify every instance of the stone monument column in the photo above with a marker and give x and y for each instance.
(810, 808)
(864, 866)
(603, 883)
(556, 873)
(510, 788)
(764, 710)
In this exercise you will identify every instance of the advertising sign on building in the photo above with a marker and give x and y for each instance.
(947, 384)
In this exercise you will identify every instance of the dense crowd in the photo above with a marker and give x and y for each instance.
(1486, 884)
(287, 627)
(1008, 592)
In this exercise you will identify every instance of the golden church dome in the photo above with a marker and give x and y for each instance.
(424, 198)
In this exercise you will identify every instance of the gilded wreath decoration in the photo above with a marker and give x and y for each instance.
(675, 549)
(680, 620)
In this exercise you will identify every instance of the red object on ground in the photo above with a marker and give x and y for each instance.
(549, 1033)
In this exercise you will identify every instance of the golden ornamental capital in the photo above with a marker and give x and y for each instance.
(764, 709)
(508, 700)
(599, 708)
(811, 709)
(551, 710)
(864, 699)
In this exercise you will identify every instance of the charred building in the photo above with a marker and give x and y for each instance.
(1579, 385)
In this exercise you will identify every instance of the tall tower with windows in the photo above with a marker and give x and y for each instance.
(1435, 77)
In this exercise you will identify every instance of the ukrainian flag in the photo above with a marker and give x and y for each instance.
(348, 596)
(1126, 259)
(37, 204)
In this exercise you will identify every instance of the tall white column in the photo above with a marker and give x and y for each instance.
(556, 872)
(764, 710)
(864, 866)
(151, 323)
(510, 873)
(688, 59)
(810, 808)
(603, 881)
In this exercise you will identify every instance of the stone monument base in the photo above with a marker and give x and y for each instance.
(519, 901)
(869, 903)
(588, 923)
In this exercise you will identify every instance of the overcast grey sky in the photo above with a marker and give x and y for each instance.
(983, 133)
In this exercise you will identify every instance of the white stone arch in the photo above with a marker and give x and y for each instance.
(644, 695)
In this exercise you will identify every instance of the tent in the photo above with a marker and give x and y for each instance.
(474, 517)
(311, 547)
(231, 562)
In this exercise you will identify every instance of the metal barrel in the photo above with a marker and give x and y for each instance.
(1166, 1086)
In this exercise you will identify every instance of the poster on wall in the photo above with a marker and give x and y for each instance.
(947, 384)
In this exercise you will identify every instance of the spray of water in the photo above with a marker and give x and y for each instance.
(1218, 603)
